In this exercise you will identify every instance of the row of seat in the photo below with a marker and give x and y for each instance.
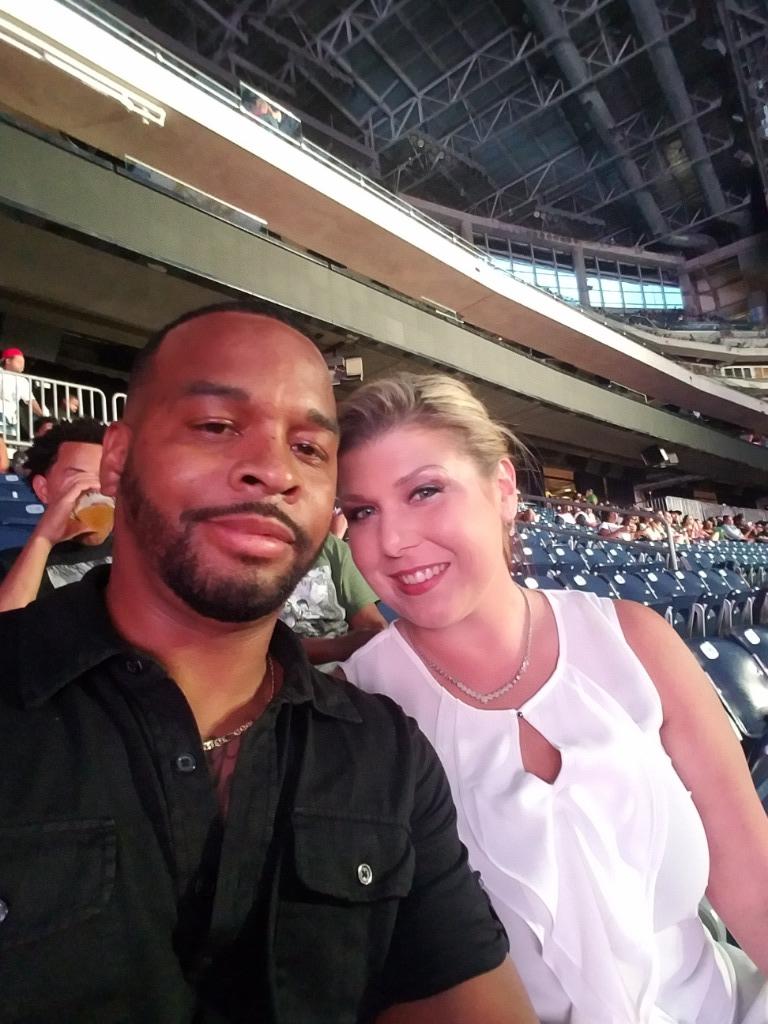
(737, 665)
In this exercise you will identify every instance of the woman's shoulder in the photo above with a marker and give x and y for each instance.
(374, 661)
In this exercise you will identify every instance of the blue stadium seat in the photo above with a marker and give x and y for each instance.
(541, 582)
(14, 536)
(566, 556)
(588, 581)
(15, 488)
(683, 610)
(742, 684)
(629, 587)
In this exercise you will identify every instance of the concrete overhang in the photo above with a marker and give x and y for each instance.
(212, 146)
(85, 246)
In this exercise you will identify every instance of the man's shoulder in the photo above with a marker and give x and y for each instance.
(372, 708)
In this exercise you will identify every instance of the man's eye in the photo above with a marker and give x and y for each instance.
(308, 449)
(213, 427)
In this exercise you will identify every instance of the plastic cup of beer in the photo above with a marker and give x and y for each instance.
(96, 512)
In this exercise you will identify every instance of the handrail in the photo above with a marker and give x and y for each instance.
(118, 399)
(17, 423)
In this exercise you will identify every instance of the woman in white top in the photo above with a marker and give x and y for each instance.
(599, 787)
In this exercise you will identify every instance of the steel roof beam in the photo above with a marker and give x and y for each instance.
(652, 28)
(550, 23)
(635, 127)
(534, 98)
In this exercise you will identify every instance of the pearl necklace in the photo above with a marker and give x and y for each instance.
(220, 741)
(487, 698)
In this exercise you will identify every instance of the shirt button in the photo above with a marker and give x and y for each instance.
(134, 666)
(364, 874)
(185, 763)
(3, 910)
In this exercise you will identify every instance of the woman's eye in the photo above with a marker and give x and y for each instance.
(356, 515)
(427, 491)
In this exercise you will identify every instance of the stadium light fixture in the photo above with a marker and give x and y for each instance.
(35, 46)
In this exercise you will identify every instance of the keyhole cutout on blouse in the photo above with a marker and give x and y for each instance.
(539, 757)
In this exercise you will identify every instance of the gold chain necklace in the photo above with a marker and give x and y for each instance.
(220, 741)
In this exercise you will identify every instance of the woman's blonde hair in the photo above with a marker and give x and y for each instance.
(436, 401)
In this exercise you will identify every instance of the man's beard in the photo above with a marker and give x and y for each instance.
(243, 597)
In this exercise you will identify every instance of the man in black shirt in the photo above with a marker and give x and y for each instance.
(62, 465)
(196, 825)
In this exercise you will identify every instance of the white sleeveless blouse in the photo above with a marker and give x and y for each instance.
(597, 877)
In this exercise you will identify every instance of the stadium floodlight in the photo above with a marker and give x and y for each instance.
(40, 48)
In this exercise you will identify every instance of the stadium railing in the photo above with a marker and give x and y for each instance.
(49, 394)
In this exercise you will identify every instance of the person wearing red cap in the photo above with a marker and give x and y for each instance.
(14, 389)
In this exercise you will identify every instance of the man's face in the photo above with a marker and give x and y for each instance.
(228, 472)
(75, 460)
(15, 364)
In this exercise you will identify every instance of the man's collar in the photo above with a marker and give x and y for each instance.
(69, 632)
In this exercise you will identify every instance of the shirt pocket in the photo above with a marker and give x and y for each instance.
(341, 887)
(56, 882)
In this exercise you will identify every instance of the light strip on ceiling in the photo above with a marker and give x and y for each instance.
(149, 112)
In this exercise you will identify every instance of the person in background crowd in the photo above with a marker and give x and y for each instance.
(4, 460)
(590, 517)
(591, 497)
(14, 388)
(564, 514)
(61, 466)
(628, 528)
(528, 515)
(649, 529)
(729, 530)
(69, 406)
(571, 728)
(198, 825)
(610, 523)
(333, 609)
(19, 461)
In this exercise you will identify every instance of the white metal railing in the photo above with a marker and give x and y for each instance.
(56, 398)
(118, 405)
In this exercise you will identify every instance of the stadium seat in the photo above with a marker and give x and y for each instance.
(14, 535)
(588, 581)
(629, 587)
(566, 556)
(684, 610)
(14, 488)
(13, 510)
(753, 639)
(542, 582)
(742, 685)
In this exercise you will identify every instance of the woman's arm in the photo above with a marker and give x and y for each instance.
(706, 754)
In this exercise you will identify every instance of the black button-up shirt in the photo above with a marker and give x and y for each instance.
(336, 886)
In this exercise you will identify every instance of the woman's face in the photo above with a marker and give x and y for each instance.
(425, 526)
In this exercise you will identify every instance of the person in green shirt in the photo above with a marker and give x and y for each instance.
(333, 609)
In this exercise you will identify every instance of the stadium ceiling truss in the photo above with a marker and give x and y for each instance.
(632, 121)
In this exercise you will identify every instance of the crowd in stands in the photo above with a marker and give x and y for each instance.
(647, 525)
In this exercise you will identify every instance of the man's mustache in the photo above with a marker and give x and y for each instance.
(258, 508)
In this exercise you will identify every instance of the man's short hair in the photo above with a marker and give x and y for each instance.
(256, 307)
(45, 450)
